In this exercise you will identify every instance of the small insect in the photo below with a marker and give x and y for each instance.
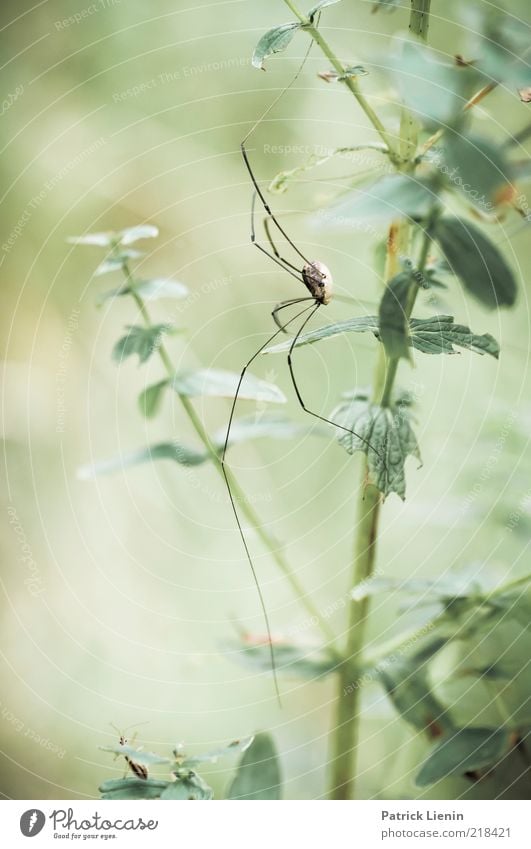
(317, 279)
(137, 769)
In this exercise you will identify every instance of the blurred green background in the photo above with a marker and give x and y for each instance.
(135, 115)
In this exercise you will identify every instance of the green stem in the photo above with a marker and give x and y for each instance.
(350, 82)
(348, 713)
(247, 509)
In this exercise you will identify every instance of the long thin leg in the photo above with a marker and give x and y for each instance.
(265, 203)
(289, 303)
(300, 398)
(278, 259)
(233, 503)
(275, 249)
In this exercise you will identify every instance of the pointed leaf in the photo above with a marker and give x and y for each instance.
(466, 750)
(132, 788)
(273, 41)
(223, 384)
(140, 231)
(439, 334)
(405, 681)
(258, 775)
(386, 199)
(150, 399)
(385, 435)
(477, 262)
(142, 341)
(392, 319)
(501, 45)
(181, 454)
(360, 324)
(100, 240)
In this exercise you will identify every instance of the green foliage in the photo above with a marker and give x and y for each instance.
(384, 434)
(258, 775)
(464, 750)
(439, 335)
(309, 662)
(382, 201)
(393, 320)
(142, 341)
(273, 41)
(477, 262)
(148, 290)
(132, 788)
(175, 451)
(314, 11)
(116, 237)
(477, 167)
(500, 45)
(217, 383)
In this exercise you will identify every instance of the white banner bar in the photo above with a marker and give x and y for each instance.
(263, 825)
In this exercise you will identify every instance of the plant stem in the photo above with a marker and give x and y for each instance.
(350, 82)
(348, 714)
(247, 509)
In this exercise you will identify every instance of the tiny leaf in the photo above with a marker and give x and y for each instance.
(116, 262)
(181, 454)
(223, 384)
(393, 320)
(133, 234)
(100, 240)
(384, 434)
(138, 755)
(212, 757)
(477, 262)
(142, 341)
(258, 775)
(466, 750)
(150, 399)
(273, 41)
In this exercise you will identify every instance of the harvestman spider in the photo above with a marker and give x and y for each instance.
(317, 278)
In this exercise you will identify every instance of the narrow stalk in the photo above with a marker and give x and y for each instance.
(348, 714)
(247, 509)
(350, 82)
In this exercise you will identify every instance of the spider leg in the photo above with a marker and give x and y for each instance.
(267, 219)
(300, 398)
(265, 203)
(233, 502)
(278, 259)
(281, 305)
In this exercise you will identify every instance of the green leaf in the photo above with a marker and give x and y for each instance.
(406, 684)
(181, 454)
(466, 750)
(273, 41)
(233, 748)
(360, 324)
(435, 91)
(500, 47)
(262, 425)
(477, 262)
(132, 788)
(140, 231)
(315, 9)
(150, 399)
(116, 262)
(258, 775)
(385, 435)
(142, 341)
(476, 167)
(386, 199)
(303, 661)
(223, 384)
(188, 787)
(138, 755)
(439, 334)
(392, 319)
(100, 240)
